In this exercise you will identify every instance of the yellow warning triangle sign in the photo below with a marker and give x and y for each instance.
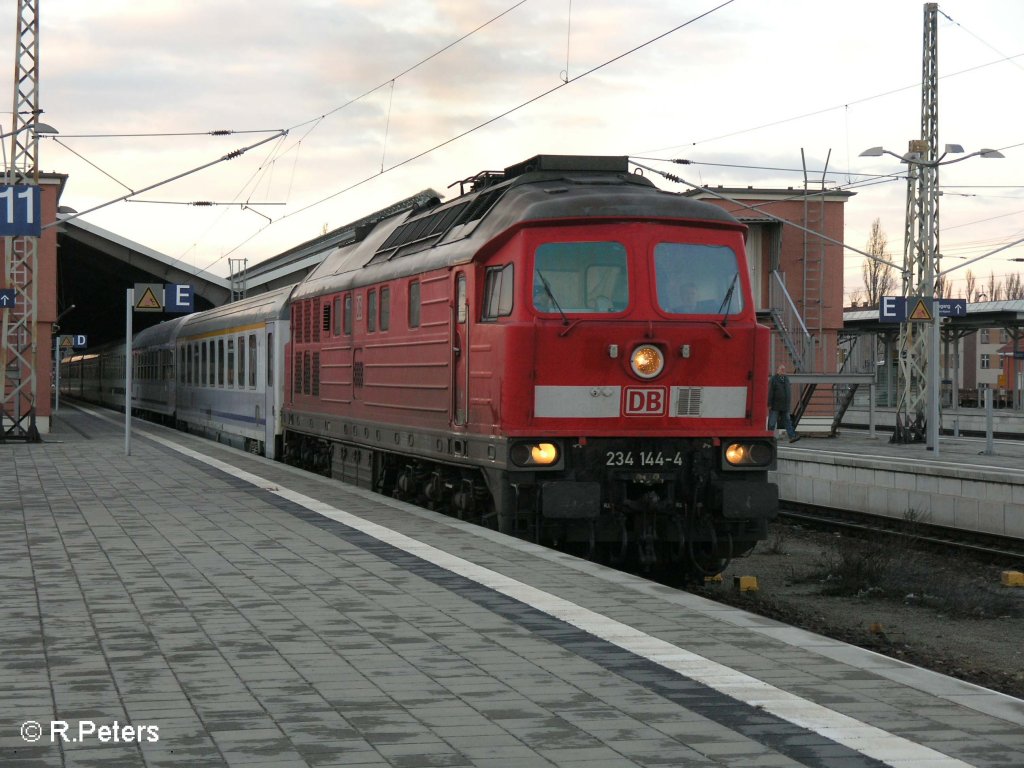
(920, 311)
(66, 342)
(148, 300)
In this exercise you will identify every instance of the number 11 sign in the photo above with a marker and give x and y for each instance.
(19, 211)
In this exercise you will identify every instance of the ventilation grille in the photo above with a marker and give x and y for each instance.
(432, 227)
(688, 401)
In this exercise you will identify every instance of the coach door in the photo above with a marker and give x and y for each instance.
(270, 405)
(460, 353)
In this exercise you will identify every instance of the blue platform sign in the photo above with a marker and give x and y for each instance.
(72, 341)
(952, 307)
(893, 309)
(178, 298)
(20, 214)
(6, 298)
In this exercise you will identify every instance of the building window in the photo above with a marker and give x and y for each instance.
(985, 362)
(984, 336)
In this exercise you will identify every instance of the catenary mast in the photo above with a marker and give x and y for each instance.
(18, 342)
(921, 248)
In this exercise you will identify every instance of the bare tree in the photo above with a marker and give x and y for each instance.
(1014, 287)
(879, 280)
(995, 288)
(969, 280)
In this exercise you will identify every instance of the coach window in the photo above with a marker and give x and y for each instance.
(371, 311)
(204, 367)
(347, 323)
(337, 315)
(697, 279)
(580, 277)
(270, 360)
(212, 381)
(252, 360)
(231, 362)
(241, 362)
(414, 305)
(498, 292)
(385, 308)
(181, 364)
(220, 362)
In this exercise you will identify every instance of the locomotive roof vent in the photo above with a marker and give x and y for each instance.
(429, 229)
(574, 163)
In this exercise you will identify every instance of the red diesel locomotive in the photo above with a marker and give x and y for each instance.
(563, 352)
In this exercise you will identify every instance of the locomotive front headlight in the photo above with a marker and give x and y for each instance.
(544, 453)
(534, 454)
(647, 361)
(736, 454)
(748, 454)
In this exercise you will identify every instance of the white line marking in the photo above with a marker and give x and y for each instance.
(863, 738)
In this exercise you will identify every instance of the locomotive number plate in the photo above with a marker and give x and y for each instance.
(643, 459)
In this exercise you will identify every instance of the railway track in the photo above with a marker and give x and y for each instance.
(994, 548)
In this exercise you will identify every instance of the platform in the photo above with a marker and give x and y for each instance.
(961, 487)
(191, 605)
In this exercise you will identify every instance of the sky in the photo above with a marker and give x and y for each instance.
(382, 100)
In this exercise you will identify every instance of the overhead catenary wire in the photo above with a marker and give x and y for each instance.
(672, 177)
(229, 156)
(315, 122)
(489, 121)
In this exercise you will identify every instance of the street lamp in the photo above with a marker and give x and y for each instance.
(39, 129)
(928, 223)
(916, 157)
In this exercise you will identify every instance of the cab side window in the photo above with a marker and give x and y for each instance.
(498, 292)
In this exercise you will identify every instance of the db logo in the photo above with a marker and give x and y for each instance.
(647, 401)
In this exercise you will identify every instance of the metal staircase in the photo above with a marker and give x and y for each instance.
(794, 343)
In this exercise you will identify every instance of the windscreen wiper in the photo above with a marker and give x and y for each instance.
(551, 295)
(727, 301)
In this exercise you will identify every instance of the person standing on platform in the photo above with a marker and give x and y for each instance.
(778, 403)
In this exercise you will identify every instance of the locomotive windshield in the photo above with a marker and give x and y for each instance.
(697, 279)
(580, 277)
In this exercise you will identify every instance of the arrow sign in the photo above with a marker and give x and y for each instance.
(6, 298)
(952, 307)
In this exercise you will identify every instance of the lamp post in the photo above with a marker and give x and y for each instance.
(922, 204)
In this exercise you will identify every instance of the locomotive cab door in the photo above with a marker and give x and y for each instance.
(460, 353)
